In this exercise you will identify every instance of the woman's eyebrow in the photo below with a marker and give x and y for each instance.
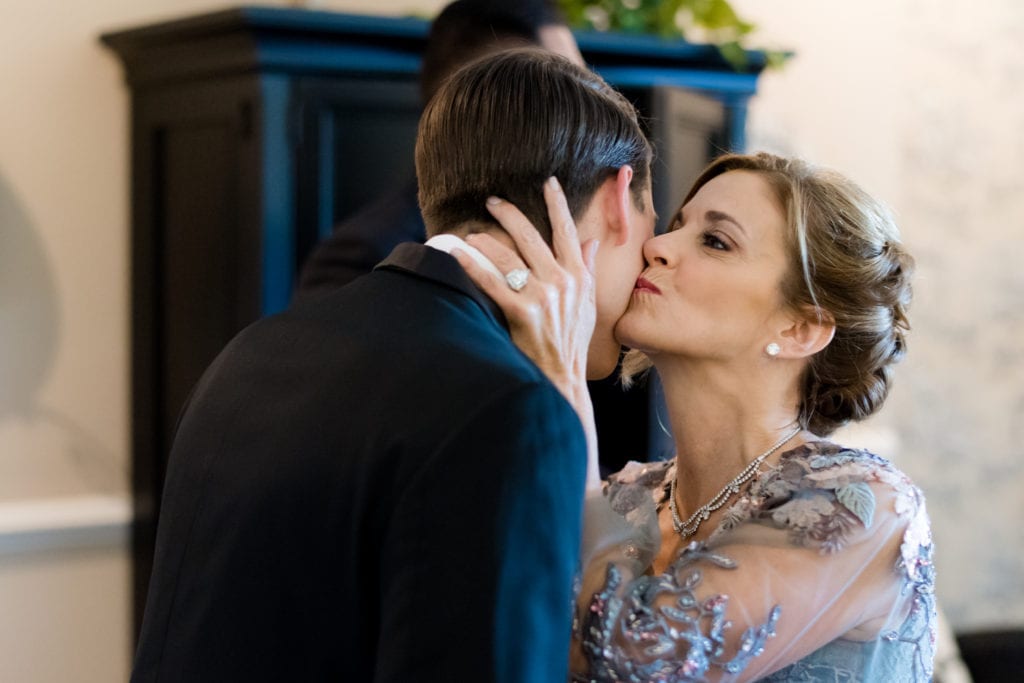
(714, 216)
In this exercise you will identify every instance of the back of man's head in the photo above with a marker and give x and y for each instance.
(505, 123)
(468, 29)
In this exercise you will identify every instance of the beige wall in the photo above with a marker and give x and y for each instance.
(65, 616)
(64, 336)
(63, 248)
(64, 351)
(916, 99)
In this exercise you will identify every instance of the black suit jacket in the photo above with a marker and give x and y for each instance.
(375, 485)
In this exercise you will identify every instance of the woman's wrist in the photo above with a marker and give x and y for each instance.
(585, 410)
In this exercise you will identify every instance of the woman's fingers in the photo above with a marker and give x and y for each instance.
(534, 250)
(588, 254)
(534, 319)
(491, 284)
(503, 257)
(564, 237)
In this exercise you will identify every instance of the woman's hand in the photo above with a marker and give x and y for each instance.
(551, 318)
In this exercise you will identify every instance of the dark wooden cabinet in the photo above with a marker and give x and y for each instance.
(254, 130)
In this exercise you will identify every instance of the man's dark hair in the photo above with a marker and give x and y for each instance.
(505, 123)
(468, 29)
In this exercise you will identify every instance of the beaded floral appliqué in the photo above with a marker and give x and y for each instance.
(666, 633)
(820, 493)
(655, 628)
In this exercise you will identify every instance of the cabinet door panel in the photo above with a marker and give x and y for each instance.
(357, 139)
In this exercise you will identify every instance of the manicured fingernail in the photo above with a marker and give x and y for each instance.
(553, 183)
(494, 201)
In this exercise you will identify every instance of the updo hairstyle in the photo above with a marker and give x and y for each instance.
(847, 265)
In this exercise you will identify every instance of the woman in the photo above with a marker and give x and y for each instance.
(773, 310)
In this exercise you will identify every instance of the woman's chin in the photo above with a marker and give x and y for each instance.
(626, 333)
(635, 340)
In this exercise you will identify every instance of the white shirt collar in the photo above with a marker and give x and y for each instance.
(447, 242)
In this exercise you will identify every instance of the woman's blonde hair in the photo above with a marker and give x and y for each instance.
(847, 265)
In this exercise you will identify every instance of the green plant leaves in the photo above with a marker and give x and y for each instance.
(655, 16)
(715, 19)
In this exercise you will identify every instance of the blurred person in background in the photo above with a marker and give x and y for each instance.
(462, 32)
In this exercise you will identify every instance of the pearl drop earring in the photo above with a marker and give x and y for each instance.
(772, 349)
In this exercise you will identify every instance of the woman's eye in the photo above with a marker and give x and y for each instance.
(710, 240)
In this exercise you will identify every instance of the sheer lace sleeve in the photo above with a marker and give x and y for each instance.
(620, 525)
(822, 570)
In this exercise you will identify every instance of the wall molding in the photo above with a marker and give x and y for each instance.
(88, 521)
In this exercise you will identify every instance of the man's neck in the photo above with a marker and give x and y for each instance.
(474, 228)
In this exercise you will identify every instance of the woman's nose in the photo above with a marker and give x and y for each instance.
(656, 250)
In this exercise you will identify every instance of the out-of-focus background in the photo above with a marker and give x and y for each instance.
(921, 101)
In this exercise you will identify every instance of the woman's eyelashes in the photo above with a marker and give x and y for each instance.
(713, 241)
(712, 237)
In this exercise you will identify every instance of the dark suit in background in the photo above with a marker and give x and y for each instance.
(363, 240)
(374, 485)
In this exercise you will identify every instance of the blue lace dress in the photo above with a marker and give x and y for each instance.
(820, 571)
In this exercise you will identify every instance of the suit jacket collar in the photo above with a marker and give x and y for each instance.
(437, 266)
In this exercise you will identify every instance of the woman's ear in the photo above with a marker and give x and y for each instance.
(807, 334)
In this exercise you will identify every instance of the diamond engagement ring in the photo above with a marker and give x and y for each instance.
(517, 278)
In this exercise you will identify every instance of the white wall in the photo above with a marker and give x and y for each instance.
(917, 99)
(921, 102)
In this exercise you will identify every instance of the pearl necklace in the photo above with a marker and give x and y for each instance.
(690, 526)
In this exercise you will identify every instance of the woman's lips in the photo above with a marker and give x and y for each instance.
(643, 285)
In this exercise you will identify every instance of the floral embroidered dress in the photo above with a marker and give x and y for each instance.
(820, 571)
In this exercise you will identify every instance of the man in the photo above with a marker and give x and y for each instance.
(462, 32)
(376, 484)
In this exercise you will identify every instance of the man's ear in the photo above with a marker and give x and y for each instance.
(618, 207)
(807, 334)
